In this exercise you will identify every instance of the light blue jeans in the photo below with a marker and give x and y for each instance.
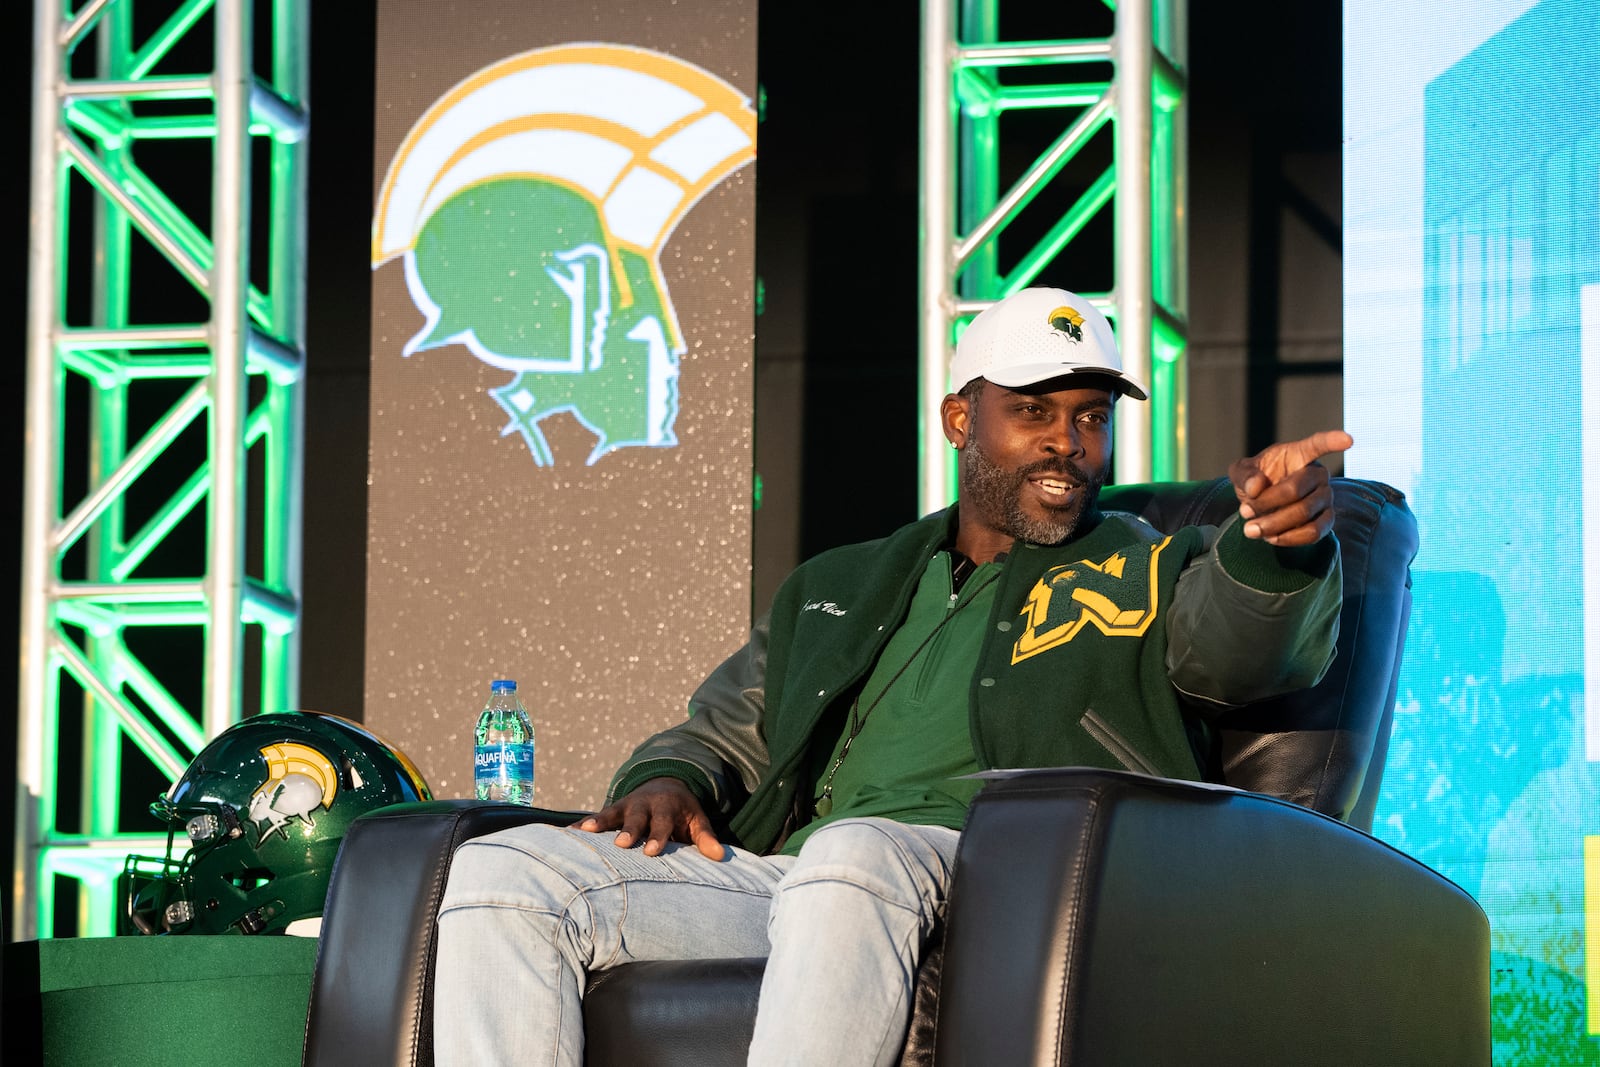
(528, 912)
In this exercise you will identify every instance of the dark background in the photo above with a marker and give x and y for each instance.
(836, 250)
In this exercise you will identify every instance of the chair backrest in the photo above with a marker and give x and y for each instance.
(1324, 747)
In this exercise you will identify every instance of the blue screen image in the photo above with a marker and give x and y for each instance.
(1472, 280)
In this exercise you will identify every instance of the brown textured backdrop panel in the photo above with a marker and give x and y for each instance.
(607, 590)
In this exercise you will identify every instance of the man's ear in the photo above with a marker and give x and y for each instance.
(956, 415)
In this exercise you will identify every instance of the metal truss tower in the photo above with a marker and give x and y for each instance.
(165, 363)
(970, 81)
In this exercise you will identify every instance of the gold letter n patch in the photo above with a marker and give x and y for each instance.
(1117, 595)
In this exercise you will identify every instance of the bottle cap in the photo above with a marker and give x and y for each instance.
(502, 685)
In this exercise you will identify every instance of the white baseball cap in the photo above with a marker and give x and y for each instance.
(1035, 335)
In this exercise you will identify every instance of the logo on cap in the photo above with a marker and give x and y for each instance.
(1068, 321)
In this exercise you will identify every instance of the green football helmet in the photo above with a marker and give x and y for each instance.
(262, 811)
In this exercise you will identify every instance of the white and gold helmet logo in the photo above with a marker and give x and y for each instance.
(530, 205)
(300, 780)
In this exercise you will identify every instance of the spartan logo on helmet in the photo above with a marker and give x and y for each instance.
(531, 204)
(299, 781)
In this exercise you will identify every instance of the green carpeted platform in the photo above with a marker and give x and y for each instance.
(132, 1001)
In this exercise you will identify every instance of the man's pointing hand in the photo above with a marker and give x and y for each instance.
(1283, 492)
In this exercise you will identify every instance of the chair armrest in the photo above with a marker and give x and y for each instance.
(1322, 747)
(369, 1002)
(1100, 917)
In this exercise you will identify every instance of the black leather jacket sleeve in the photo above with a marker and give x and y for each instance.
(721, 750)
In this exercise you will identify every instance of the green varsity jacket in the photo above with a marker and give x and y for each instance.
(1093, 649)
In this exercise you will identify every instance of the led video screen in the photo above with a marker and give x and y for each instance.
(1472, 342)
(562, 372)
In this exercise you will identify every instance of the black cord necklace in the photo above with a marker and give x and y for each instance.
(858, 718)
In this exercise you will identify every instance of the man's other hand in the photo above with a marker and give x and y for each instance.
(1284, 496)
(660, 810)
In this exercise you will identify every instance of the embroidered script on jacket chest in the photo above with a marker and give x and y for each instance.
(1117, 596)
(827, 607)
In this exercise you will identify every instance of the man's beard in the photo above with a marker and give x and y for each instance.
(996, 494)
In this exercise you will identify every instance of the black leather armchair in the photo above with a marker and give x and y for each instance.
(1096, 917)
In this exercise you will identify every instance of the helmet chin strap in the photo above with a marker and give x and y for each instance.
(258, 919)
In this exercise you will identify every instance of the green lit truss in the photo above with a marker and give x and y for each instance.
(1134, 93)
(165, 363)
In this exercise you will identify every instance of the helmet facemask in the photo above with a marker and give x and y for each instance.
(165, 894)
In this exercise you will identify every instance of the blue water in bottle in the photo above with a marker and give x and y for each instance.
(503, 747)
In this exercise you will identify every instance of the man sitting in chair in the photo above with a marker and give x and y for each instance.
(809, 809)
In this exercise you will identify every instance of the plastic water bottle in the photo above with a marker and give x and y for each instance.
(503, 749)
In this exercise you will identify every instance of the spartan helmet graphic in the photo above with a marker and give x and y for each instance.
(299, 781)
(530, 205)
